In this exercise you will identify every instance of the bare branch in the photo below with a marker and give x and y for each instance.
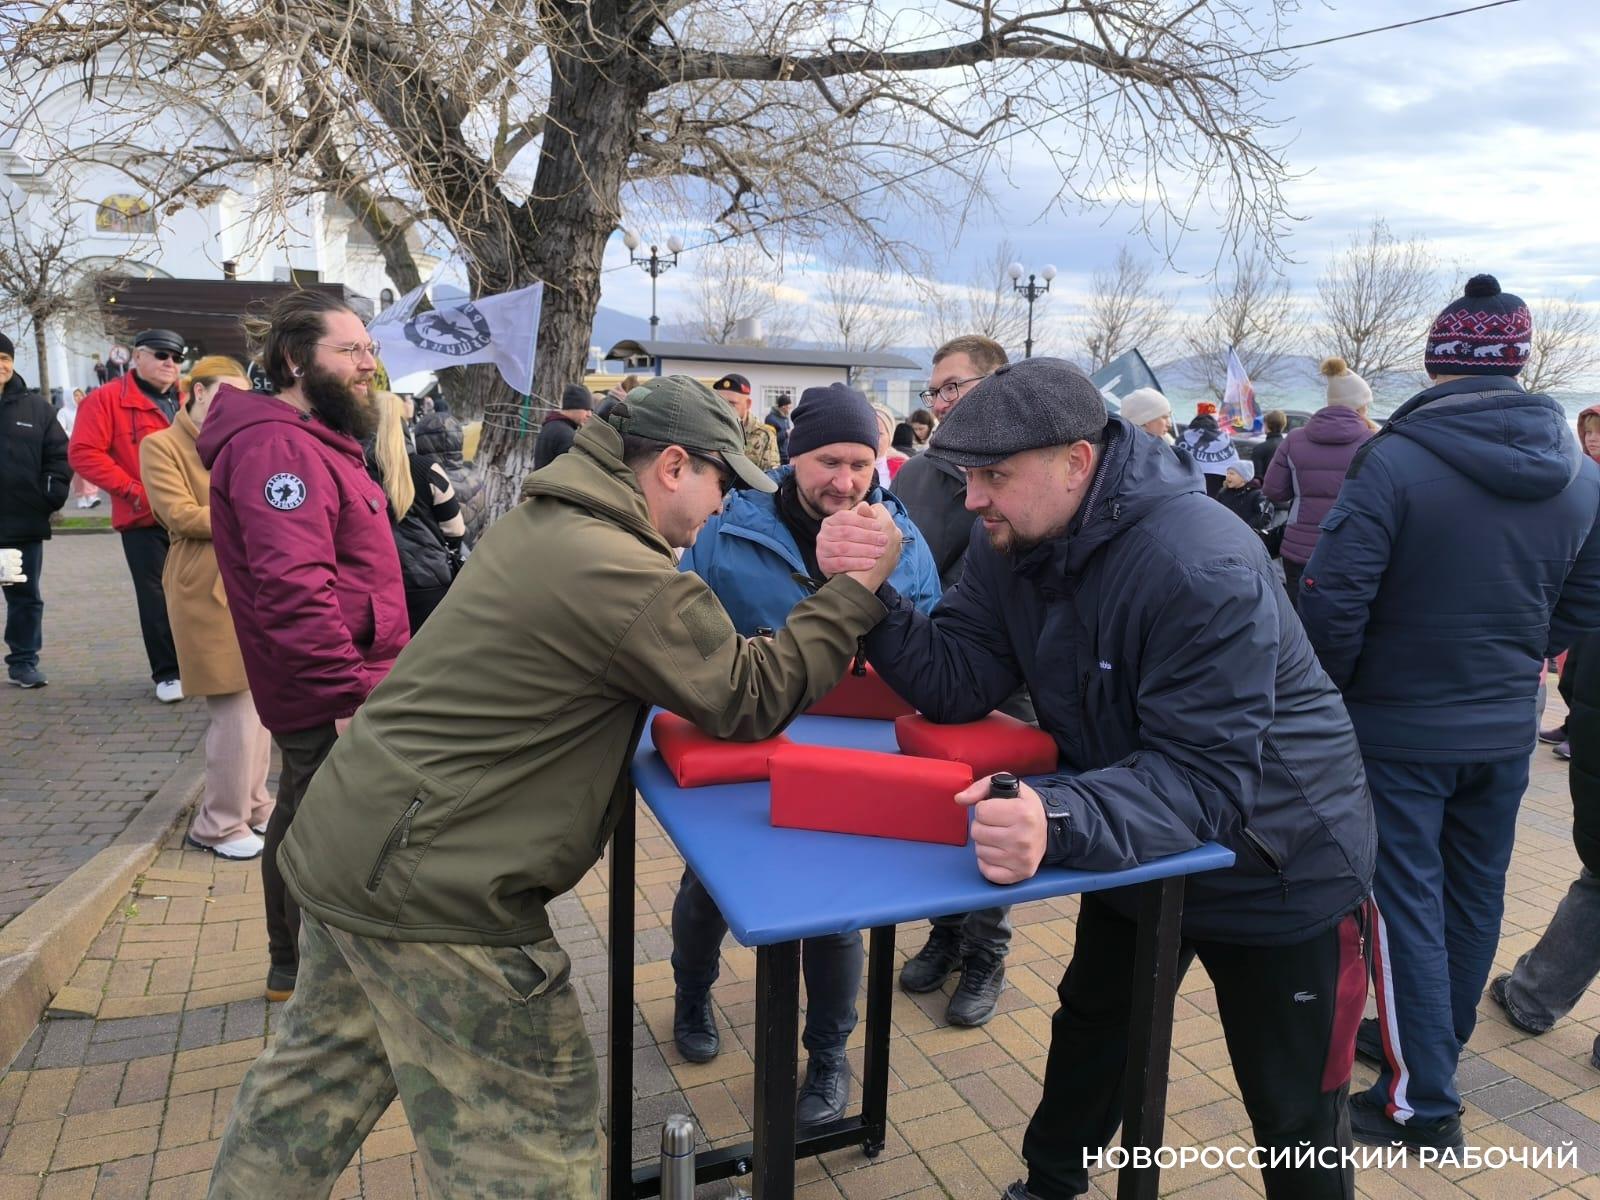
(1377, 297)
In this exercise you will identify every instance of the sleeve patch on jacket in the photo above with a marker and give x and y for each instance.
(707, 623)
(286, 491)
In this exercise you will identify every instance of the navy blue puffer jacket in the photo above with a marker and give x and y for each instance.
(1461, 551)
(1163, 657)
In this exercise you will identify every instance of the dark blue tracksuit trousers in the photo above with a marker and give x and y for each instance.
(1445, 832)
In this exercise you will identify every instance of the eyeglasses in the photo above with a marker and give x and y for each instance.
(725, 479)
(163, 355)
(354, 353)
(948, 390)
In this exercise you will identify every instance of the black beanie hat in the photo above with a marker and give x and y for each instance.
(575, 395)
(6, 347)
(1485, 332)
(835, 413)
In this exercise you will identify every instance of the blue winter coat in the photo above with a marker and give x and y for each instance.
(748, 557)
(1165, 660)
(1461, 551)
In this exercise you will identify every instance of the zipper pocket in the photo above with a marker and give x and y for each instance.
(1273, 862)
(399, 838)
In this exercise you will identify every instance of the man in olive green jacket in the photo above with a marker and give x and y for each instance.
(481, 779)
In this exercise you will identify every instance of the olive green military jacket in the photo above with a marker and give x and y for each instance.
(484, 776)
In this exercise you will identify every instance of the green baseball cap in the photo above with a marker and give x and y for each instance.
(684, 412)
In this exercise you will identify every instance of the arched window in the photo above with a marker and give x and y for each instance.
(124, 214)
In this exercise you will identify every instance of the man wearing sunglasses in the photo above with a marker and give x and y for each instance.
(112, 421)
(482, 779)
(750, 556)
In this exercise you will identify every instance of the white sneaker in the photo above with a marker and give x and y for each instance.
(170, 692)
(240, 849)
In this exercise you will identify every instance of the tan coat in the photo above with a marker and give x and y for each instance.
(202, 627)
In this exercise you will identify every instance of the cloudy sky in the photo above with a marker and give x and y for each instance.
(1480, 133)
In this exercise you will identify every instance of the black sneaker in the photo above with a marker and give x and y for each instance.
(694, 1029)
(825, 1091)
(932, 965)
(1497, 993)
(27, 677)
(1369, 1041)
(983, 975)
(280, 982)
(1018, 1191)
(1371, 1126)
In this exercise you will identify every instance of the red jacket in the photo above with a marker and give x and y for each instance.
(307, 558)
(112, 421)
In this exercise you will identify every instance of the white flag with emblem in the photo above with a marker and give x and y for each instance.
(502, 330)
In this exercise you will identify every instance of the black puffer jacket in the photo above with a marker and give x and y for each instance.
(34, 475)
(439, 438)
(1165, 660)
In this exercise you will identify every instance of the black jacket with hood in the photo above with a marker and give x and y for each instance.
(34, 475)
(1165, 660)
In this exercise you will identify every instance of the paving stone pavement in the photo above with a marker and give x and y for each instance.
(84, 754)
(131, 1100)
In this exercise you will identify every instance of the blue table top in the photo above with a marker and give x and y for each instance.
(776, 885)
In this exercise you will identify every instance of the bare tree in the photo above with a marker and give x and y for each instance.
(41, 276)
(522, 128)
(1377, 296)
(733, 283)
(853, 317)
(1254, 313)
(1125, 311)
(988, 304)
(1566, 346)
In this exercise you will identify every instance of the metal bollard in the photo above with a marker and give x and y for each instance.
(677, 1158)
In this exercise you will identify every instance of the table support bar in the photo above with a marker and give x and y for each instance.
(777, 1030)
(619, 926)
(1155, 992)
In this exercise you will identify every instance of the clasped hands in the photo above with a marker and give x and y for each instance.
(862, 542)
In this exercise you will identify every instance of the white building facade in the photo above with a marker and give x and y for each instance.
(87, 166)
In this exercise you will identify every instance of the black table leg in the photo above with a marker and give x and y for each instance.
(777, 1027)
(1155, 991)
(619, 1125)
(880, 1000)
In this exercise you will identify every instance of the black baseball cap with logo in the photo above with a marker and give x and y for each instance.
(732, 382)
(682, 411)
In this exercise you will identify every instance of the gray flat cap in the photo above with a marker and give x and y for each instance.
(1024, 405)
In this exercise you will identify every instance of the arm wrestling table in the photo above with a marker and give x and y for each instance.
(777, 886)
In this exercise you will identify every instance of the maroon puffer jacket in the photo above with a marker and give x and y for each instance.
(1308, 470)
(307, 557)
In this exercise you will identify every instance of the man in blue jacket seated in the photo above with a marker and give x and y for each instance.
(754, 556)
(1163, 657)
(1462, 551)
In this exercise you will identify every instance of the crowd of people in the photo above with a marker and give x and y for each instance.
(455, 731)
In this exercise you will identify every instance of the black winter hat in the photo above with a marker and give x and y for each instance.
(576, 396)
(1485, 332)
(835, 413)
(6, 346)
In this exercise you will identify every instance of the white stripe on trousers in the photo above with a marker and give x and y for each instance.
(1389, 1027)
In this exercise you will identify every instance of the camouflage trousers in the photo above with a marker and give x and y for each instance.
(484, 1045)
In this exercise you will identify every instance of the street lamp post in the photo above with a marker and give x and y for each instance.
(1030, 292)
(655, 265)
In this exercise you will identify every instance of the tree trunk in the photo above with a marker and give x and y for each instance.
(560, 237)
(43, 382)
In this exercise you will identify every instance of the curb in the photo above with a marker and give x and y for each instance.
(40, 949)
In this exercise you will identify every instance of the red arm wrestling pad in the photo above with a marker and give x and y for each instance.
(996, 743)
(860, 791)
(697, 759)
(866, 696)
